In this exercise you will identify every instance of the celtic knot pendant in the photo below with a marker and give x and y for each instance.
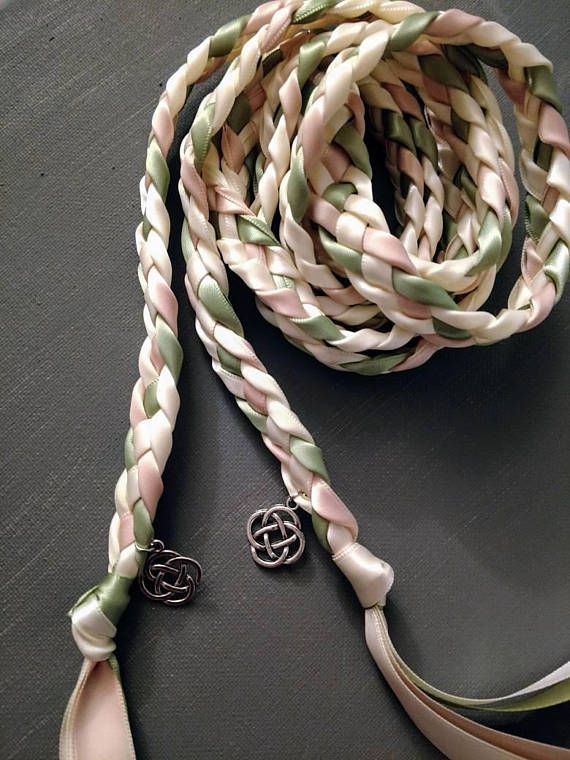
(168, 577)
(275, 535)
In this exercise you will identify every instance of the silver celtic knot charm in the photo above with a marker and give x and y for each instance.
(169, 577)
(275, 535)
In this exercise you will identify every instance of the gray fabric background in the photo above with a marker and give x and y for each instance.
(457, 472)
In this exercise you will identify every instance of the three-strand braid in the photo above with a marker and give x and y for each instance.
(275, 183)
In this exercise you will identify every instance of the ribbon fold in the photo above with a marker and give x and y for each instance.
(276, 185)
(96, 724)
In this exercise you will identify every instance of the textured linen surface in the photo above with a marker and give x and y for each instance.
(456, 471)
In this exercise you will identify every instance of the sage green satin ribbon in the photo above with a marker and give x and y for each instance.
(275, 184)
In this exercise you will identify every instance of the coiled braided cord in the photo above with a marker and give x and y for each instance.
(278, 145)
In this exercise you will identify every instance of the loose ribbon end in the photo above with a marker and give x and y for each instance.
(96, 724)
(460, 738)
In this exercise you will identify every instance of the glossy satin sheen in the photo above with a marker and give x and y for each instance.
(275, 184)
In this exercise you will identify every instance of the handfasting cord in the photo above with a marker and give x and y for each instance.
(275, 183)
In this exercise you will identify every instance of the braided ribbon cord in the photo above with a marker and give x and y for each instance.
(275, 183)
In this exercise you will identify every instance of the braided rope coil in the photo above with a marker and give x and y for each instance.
(276, 184)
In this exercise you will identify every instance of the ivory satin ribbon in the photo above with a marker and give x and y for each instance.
(275, 183)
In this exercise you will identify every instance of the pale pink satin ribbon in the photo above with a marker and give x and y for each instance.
(96, 725)
(456, 736)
